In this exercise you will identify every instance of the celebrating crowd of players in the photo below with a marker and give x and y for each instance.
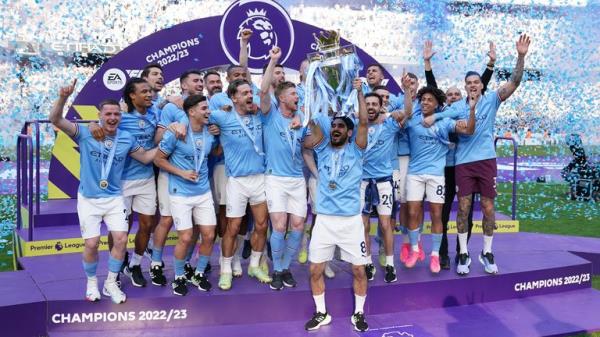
(238, 163)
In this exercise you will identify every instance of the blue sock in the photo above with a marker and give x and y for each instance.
(291, 248)
(190, 252)
(90, 268)
(437, 242)
(114, 265)
(277, 245)
(202, 262)
(404, 230)
(413, 236)
(157, 254)
(179, 267)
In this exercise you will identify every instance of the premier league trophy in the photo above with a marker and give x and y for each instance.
(329, 77)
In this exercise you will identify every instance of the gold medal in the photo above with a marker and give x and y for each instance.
(103, 184)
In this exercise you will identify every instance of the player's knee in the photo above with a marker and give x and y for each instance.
(92, 244)
(185, 237)
(119, 240)
(208, 236)
(359, 272)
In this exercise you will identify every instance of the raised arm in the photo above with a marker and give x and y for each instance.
(244, 38)
(362, 133)
(265, 85)
(316, 135)
(508, 88)
(489, 69)
(404, 115)
(427, 55)
(56, 114)
(469, 128)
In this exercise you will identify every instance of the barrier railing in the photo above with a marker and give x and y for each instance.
(514, 180)
(28, 152)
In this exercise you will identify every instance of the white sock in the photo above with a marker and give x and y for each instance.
(92, 278)
(226, 265)
(320, 303)
(135, 260)
(359, 303)
(155, 263)
(111, 277)
(487, 244)
(389, 260)
(462, 240)
(415, 248)
(255, 258)
(435, 253)
(405, 239)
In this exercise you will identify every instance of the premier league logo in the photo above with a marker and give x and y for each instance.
(270, 24)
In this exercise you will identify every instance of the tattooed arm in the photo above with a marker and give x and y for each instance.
(507, 89)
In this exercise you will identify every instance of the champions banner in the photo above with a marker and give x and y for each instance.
(202, 44)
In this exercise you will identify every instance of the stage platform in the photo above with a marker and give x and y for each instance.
(542, 289)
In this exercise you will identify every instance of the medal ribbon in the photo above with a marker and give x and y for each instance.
(106, 166)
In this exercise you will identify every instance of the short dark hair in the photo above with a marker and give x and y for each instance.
(376, 65)
(438, 94)
(191, 101)
(108, 101)
(233, 66)
(129, 89)
(347, 120)
(283, 86)
(472, 73)
(211, 72)
(266, 65)
(146, 70)
(372, 94)
(188, 72)
(412, 75)
(380, 87)
(233, 86)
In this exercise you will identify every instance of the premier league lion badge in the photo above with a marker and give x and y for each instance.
(270, 24)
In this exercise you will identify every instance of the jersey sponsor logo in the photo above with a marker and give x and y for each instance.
(271, 26)
(114, 79)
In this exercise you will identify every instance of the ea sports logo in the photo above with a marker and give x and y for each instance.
(114, 79)
(270, 24)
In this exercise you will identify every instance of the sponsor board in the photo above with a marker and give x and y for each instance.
(74, 245)
(503, 226)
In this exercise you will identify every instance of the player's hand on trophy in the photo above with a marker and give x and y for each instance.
(214, 129)
(65, 92)
(357, 84)
(190, 175)
(275, 53)
(96, 131)
(245, 35)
